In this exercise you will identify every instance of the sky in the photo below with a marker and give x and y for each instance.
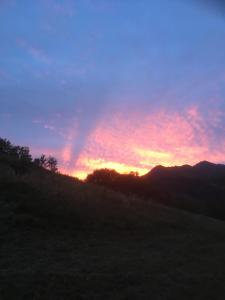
(119, 84)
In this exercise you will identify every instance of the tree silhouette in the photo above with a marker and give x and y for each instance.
(24, 154)
(52, 164)
(21, 153)
(49, 163)
(17, 157)
(41, 161)
(103, 176)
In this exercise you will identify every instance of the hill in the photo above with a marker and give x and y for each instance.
(65, 239)
(200, 189)
(202, 170)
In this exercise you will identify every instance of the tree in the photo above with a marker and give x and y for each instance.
(49, 163)
(24, 154)
(17, 157)
(103, 177)
(52, 164)
(21, 160)
(41, 161)
(5, 147)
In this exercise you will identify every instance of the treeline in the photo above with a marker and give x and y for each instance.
(20, 159)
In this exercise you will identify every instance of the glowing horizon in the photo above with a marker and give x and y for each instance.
(162, 138)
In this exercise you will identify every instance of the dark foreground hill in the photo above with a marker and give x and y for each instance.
(63, 239)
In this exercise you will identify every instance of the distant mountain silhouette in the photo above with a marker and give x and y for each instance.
(199, 188)
(201, 169)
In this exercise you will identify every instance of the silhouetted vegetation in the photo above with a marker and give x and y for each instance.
(48, 163)
(20, 160)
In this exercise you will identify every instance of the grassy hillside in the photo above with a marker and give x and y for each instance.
(199, 188)
(63, 239)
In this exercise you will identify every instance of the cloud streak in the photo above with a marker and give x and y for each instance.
(35, 52)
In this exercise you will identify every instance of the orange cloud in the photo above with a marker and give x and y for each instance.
(138, 142)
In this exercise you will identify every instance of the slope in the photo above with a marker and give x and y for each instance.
(63, 239)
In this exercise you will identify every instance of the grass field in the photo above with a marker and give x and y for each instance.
(106, 246)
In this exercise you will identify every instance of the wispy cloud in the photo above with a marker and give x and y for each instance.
(35, 52)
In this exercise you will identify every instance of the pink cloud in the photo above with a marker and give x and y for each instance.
(139, 143)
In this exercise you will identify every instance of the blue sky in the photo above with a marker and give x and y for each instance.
(71, 71)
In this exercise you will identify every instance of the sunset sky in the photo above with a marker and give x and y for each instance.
(122, 84)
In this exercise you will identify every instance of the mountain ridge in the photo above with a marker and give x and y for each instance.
(202, 168)
(199, 188)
